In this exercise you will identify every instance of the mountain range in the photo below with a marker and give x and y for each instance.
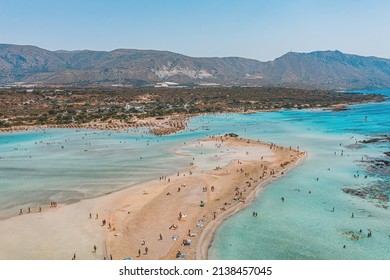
(319, 69)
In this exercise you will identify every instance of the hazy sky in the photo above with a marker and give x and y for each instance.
(259, 29)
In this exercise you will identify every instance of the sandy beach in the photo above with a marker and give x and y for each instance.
(157, 125)
(174, 216)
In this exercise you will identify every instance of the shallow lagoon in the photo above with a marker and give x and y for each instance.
(304, 226)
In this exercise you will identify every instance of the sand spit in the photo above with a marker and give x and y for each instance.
(174, 216)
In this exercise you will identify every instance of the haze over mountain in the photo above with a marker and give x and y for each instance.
(320, 69)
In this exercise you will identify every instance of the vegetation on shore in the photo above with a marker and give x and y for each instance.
(61, 106)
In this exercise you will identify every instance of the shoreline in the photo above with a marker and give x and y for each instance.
(157, 125)
(167, 124)
(124, 210)
(140, 229)
(208, 234)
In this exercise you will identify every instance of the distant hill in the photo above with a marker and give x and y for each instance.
(328, 69)
(320, 69)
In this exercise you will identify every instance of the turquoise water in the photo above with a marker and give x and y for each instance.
(66, 165)
(304, 225)
(37, 167)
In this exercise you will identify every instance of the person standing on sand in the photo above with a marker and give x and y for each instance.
(146, 250)
(94, 248)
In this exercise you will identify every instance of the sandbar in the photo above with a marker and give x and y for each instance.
(172, 217)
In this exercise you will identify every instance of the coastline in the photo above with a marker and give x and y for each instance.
(125, 210)
(208, 234)
(167, 124)
(157, 125)
(141, 229)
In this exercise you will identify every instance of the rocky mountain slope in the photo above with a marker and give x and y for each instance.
(321, 69)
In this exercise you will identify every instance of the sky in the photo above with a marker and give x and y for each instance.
(258, 29)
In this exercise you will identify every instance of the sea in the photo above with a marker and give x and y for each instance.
(335, 202)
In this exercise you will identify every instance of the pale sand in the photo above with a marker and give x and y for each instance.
(144, 211)
(157, 125)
